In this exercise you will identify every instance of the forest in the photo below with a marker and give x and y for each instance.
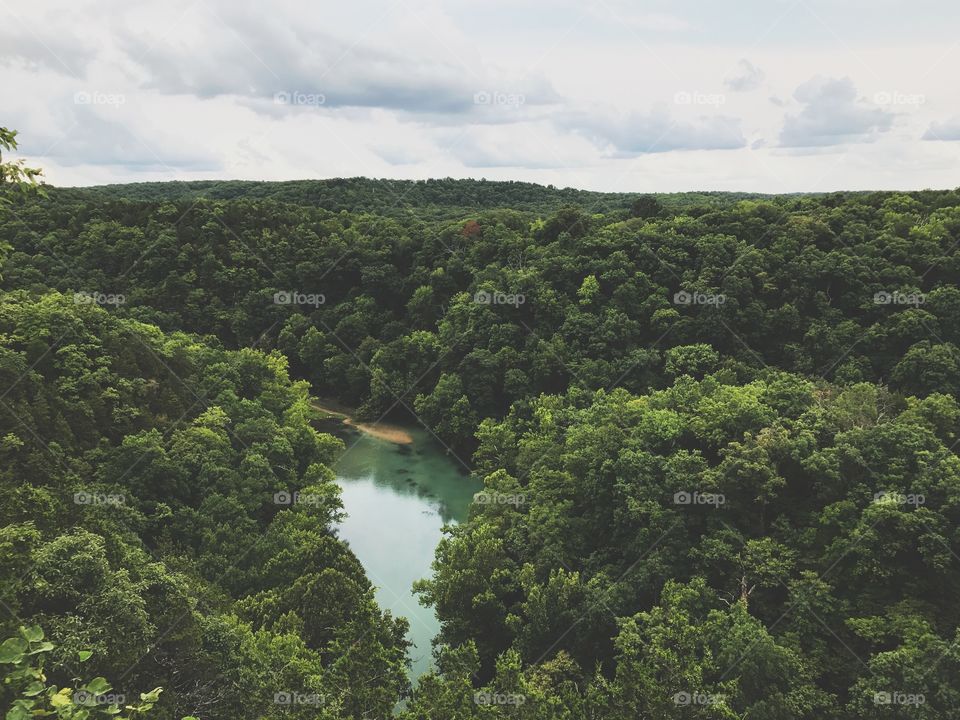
(719, 430)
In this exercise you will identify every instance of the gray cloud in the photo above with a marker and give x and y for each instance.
(93, 138)
(748, 77)
(398, 82)
(656, 132)
(832, 114)
(235, 48)
(65, 54)
(260, 57)
(946, 130)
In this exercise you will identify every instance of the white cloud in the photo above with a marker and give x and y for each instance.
(35, 44)
(656, 131)
(548, 91)
(832, 114)
(244, 52)
(945, 130)
(748, 77)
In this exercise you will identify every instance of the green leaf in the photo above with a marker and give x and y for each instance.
(84, 655)
(32, 634)
(33, 689)
(41, 648)
(152, 696)
(61, 699)
(11, 651)
(98, 686)
(17, 712)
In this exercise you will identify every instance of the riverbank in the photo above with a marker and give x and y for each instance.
(382, 430)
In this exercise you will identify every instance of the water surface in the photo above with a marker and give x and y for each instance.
(397, 499)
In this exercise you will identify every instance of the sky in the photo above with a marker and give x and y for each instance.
(649, 96)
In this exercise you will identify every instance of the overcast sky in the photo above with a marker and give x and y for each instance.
(762, 95)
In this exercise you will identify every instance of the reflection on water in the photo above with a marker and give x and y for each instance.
(397, 499)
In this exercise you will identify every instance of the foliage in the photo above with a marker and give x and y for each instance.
(23, 655)
(755, 538)
(720, 431)
(15, 176)
(850, 287)
(139, 479)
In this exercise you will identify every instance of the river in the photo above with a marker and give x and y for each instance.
(398, 497)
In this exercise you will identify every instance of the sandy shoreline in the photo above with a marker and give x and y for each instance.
(383, 431)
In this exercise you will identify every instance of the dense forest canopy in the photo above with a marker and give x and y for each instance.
(445, 198)
(717, 435)
(140, 521)
(849, 289)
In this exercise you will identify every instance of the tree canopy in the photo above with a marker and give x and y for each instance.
(716, 433)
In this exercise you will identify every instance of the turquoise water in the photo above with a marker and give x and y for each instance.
(397, 499)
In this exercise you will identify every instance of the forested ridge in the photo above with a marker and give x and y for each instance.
(417, 199)
(717, 435)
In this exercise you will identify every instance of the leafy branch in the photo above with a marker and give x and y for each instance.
(37, 698)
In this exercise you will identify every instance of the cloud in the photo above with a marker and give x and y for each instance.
(97, 139)
(44, 45)
(748, 77)
(233, 48)
(470, 88)
(537, 145)
(266, 65)
(946, 130)
(272, 58)
(656, 131)
(832, 114)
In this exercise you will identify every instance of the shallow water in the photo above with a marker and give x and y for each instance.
(397, 499)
